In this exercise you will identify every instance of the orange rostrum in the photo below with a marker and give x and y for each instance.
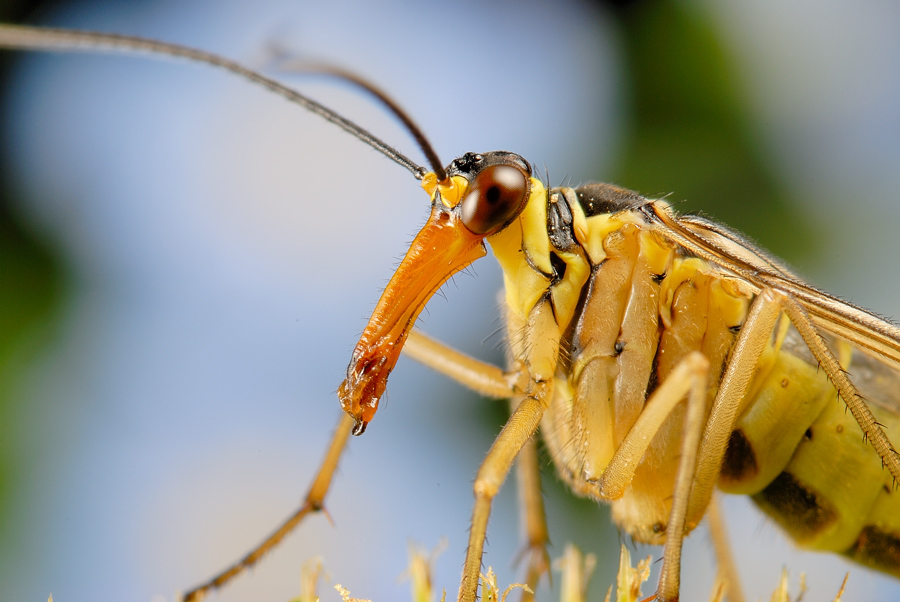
(442, 248)
(480, 196)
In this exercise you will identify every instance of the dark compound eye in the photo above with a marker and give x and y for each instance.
(496, 196)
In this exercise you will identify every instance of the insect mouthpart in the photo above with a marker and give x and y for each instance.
(481, 195)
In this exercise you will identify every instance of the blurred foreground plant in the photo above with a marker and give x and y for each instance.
(575, 569)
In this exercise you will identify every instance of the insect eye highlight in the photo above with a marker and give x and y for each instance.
(496, 195)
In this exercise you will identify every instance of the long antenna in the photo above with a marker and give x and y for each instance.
(54, 39)
(284, 62)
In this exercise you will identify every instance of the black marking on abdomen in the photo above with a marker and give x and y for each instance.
(878, 549)
(739, 463)
(801, 512)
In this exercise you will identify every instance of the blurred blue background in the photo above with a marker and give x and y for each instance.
(220, 250)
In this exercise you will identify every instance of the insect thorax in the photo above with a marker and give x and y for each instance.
(627, 305)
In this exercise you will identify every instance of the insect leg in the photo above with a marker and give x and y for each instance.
(670, 574)
(845, 387)
(488, 380)
(690, 377)
(314, 501)
(691, 373)
(724, 558)
(481, 377)
(520, 427)
(540, 340)
(755, 334)
(534, 518)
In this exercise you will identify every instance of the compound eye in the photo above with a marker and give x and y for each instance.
(496, 196)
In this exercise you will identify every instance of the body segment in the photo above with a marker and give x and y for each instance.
(644, 303)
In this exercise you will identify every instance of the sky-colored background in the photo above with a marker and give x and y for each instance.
(226, 249)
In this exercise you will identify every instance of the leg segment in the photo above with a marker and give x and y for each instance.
(754, 336)
(315, 497)
(691, 373)
(724, 558)
(689, 378)
(520, 427)
(670, 575)
(845, 387)
(481, 377)
(490, 381)
(534, 519)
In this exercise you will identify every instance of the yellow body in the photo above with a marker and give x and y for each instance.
(627, 306)
(617, 311)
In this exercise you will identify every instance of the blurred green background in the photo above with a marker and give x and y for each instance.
(181, 284)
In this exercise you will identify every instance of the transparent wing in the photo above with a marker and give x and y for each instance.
(730, 251)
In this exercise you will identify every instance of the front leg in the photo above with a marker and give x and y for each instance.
(517, 431)
(533, 516)
(481, 377)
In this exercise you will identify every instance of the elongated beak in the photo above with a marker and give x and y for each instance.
(441, 249)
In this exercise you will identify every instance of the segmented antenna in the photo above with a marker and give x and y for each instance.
(299, 65)
(54, 39)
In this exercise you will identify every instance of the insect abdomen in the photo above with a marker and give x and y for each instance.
(802, 458)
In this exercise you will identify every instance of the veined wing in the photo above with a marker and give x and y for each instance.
(758, 269)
